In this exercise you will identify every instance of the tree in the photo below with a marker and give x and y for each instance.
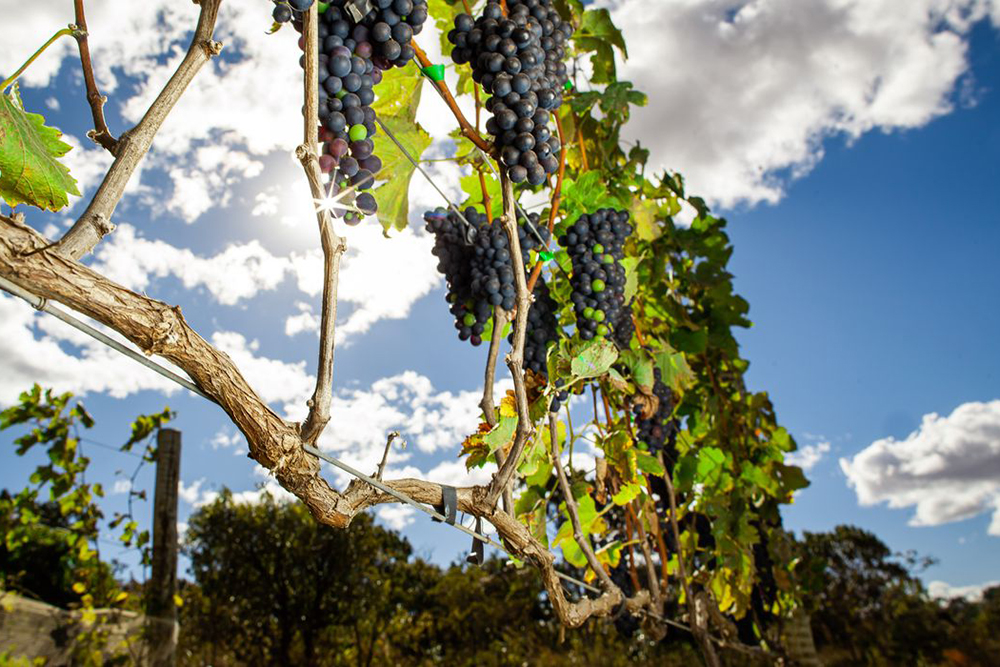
(685, 500)
(272, 583)
(866, 602)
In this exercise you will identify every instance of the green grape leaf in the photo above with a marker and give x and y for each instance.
(398, 93)
(501, 434)
(626, 494)
(640, 367)
(644, 214)
(593, 358)
(29, 170)
(674, 369)
(393, 195)
(630, 264)
(711, 462)
(649, 464)
(471, 187)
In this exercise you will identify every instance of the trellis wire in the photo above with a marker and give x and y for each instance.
(42, 304)
(430, 180)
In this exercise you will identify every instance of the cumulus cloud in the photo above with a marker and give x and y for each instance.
(396, 517)
(944, 590)
(39, 348)
(743, 93)
(948, 469)
(808, 456)
(380, 278)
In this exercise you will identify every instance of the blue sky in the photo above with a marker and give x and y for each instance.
(854, 148)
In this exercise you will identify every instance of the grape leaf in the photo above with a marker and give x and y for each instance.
(396, 106)
(393, 195)
(593, 358)
(674, 369)
(29, 170)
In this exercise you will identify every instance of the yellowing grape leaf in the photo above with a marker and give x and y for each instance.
(393, 195)
(29, 170)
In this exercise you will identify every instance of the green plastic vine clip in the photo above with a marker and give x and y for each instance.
(322, 7)
(546, 255)
(434, 72)
(568, 85)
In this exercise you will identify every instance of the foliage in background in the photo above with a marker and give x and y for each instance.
(54, 521)
(266, 572)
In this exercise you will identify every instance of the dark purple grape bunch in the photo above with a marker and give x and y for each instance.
(453, 246)
(347, 77)
(474, 257)
(391, 26)
(286, 10)
(518, 59)
(596, 246)
(659, 432)
(542, 329)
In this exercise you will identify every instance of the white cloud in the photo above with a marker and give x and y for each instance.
(192, 493)
(808, 456)
(238, 272)
(121, 486)
(306, 320)
(944, 590)
(948, 469)
(381, 278)
(229, 438)
(269, 487)
(275, 381)
(397, 517)
(742, 93)
(39, 348)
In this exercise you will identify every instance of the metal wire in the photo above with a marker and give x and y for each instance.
(38, 303)
(398, 495)
(430, 180)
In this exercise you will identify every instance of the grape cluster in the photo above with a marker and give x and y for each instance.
(542, 329)
(518, 59)
(354, 51)
(595, 244)
(477, 266)
(659, 429)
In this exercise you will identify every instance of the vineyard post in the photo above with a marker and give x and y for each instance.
(161, 611)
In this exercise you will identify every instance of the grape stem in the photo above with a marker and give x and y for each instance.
(556, 199)
(488, 404)
(515, 359)
(333, 245)
(13, 77)
(699, 630)
(100, 134)
(442, 88)
(582, 539)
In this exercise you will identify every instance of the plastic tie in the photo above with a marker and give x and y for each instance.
(449, 504)
(434, 72)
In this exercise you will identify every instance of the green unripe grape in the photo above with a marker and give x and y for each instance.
(588, 313)
(358, 133)
(599, 315)
(607, 259)
(340, 93)
(597, 286)
(602, 330)
(469, 319)
(451, 298)
(598, 249)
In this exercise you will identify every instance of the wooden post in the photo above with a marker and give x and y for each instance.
(161, 612)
